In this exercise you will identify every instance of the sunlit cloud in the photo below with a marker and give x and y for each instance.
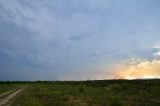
(142, 70)
(139, 68)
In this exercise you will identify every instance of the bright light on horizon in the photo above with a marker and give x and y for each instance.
(142, 70)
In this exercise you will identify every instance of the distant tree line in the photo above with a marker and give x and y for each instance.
(97, 83)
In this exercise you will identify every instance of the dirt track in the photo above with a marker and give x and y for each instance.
(5, 97)
(6, 93)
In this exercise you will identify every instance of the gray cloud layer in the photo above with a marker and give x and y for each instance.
(48, 40)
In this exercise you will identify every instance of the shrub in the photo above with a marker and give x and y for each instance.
(81, 90)
(116, 102)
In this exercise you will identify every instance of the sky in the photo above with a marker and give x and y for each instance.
(79, 39)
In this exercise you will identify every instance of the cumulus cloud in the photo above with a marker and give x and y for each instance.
(145, 69)
(138, 68)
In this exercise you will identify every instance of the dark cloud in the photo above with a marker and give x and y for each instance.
(80, 37)
(48, 39)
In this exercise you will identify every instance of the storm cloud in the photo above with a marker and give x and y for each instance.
(75, 39)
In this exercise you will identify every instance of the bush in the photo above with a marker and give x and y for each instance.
(81, 90)
(116, 102)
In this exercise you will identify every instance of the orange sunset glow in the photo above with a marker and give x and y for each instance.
(143, 70)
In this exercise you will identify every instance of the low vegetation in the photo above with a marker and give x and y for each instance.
(89, 93)
(4, 87)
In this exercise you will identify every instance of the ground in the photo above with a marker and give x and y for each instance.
(85, 93)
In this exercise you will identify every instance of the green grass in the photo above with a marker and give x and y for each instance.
(7, 87)
(91, 93)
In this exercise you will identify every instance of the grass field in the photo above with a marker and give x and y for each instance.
(88, 93)
(4, 87)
